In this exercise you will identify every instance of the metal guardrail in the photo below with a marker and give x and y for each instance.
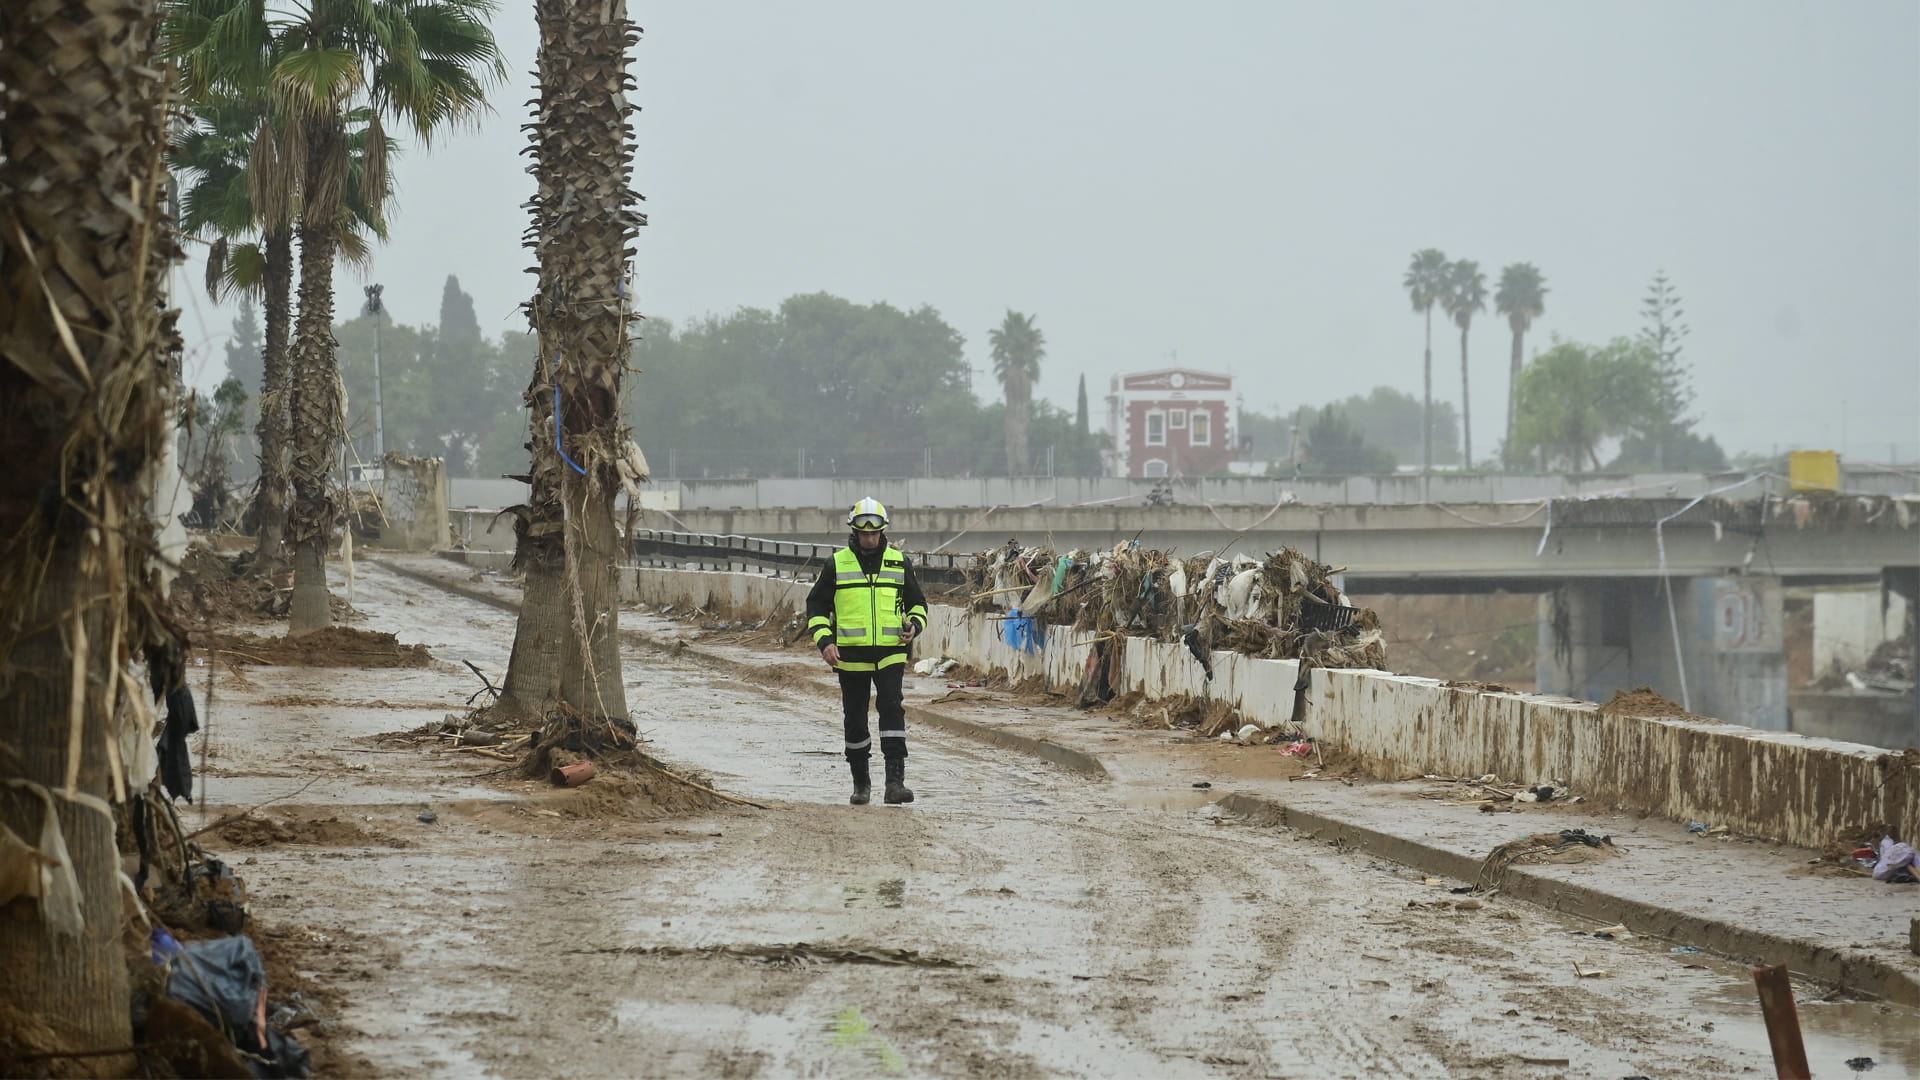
(791, 558)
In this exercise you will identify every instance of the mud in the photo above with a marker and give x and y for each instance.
(257, 831)
(1093, 928)
(1643, 701)
(335, 646)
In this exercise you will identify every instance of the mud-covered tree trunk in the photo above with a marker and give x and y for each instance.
(270, 502)
(313, 405)
(532, 684)
(83, 417)
(584, 224)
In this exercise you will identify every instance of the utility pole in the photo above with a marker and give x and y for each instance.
(375, 310)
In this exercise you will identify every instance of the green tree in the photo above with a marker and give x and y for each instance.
(1425, 282)
(245, 355)
(1574, 396)
(1017, 346)
(1522, 298)
(754, 392)
(1334, 447)
(1666, 439)
(1464, 295)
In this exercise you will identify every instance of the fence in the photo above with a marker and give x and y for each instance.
(782, 558)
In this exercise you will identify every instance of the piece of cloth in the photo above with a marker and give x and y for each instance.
(907, 601)
(856, 687)
(1895, 857)
(176, 758)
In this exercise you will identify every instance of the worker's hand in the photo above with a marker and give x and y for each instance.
(832, 656)
(909, 632)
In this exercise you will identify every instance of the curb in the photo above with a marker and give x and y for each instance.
(1834, 967)
(1065, 757)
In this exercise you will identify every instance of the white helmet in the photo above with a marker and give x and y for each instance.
(867, 515)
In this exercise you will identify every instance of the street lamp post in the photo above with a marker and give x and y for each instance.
(375, 310)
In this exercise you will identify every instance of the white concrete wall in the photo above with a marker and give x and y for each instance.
(1848, 625)
(1772, 784)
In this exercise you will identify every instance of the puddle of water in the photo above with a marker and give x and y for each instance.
(1835, 1032)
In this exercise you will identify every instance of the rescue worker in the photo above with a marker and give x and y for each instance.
(864, 612)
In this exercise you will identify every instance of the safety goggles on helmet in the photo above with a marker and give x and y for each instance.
(867, 515)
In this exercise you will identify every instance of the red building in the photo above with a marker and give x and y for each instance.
(1172, 422)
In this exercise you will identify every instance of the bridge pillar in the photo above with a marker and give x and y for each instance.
(1719, 647)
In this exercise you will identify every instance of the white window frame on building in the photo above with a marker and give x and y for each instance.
(1177, 419)
(1161, 416)
(1154, 467)
(1200, 433)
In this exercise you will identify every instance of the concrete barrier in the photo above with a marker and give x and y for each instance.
(1778, 785)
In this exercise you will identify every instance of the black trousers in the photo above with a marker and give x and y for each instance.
(854, 690)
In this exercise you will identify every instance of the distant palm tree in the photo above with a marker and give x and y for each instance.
(421, 61)
(237, 187)
(1522, 298)
(1464, 295)
(1018, 347)
(1425, 278)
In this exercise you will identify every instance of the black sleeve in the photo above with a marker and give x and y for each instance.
(820, 607)
(912, 598)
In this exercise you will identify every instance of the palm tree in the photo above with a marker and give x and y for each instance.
(423, 62)
(1463, 296)
(566, 642)
(1018, 348)
(1425, 277)
(84, 417)
(231, 158)
(1522, 298)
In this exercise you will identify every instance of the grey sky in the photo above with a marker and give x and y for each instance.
(1244, 183)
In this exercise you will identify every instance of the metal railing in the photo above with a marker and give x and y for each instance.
(787, 558)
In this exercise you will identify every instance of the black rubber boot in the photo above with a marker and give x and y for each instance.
(897, 790)
(862, 784)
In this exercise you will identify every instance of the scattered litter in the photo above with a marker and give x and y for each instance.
(1203, 784)
(1586, 974)
(1861, 1064)
(1249, 731)
(1685, 950)
(1567, 846)
(1298, 748)
(428, 817)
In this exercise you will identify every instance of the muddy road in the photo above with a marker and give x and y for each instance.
(1017, 921)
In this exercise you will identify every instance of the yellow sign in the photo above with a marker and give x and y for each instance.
(1814, 470)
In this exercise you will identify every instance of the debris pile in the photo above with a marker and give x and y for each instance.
(1285, 606)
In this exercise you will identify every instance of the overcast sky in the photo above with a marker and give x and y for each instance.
(1243, 184)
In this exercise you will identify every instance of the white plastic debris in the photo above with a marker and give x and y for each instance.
(1248, 732)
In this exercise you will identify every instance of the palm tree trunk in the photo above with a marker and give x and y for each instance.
(583, 231)
(314, 406)
(1513, 385)
(270, 502)
(83, 418)
(1466, 403)
(532, 684)
(1426, 408)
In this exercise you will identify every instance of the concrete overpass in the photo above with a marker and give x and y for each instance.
(1432, 548)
